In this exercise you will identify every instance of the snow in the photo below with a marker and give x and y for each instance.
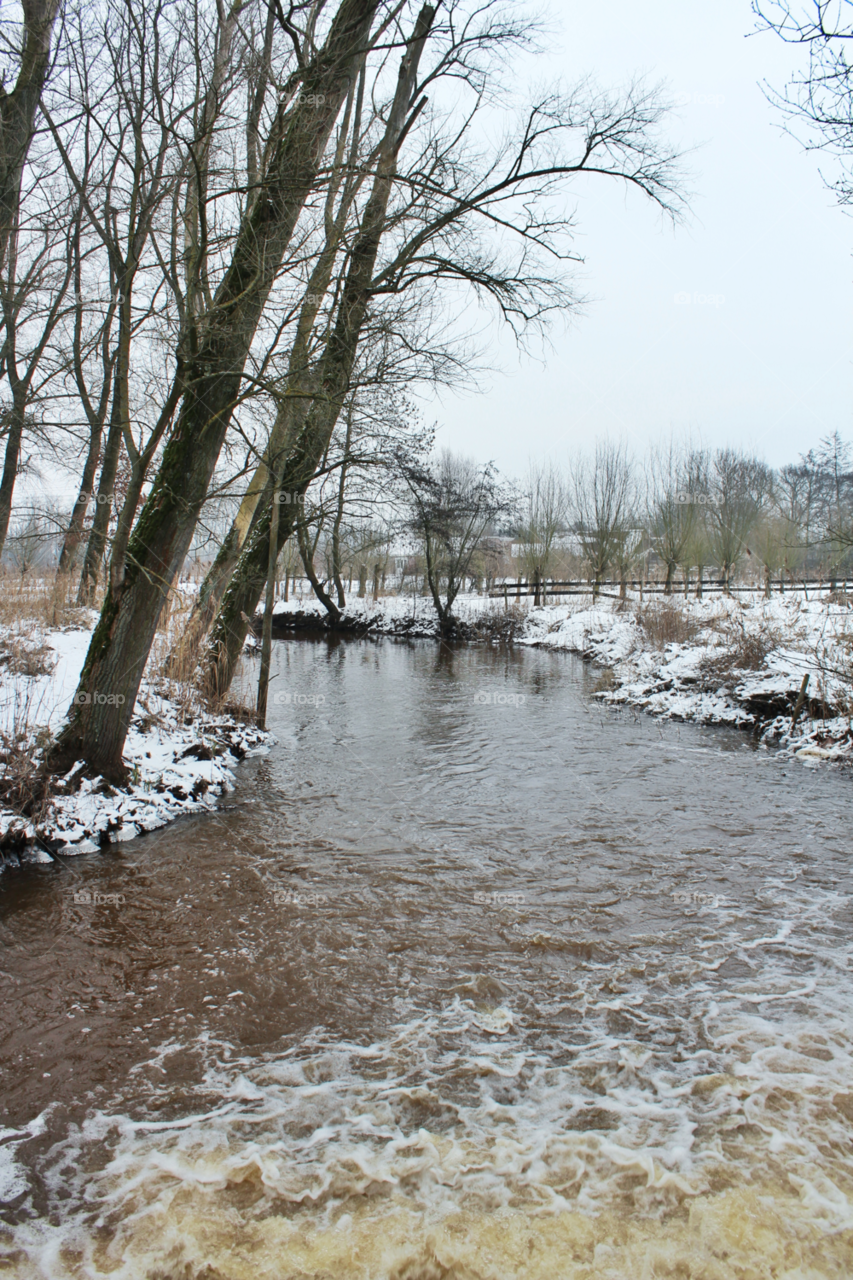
(180, 760)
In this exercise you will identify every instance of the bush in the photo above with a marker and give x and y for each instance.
(740, 651)
(666, 623)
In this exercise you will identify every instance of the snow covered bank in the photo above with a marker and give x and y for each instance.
(731, 661)
(181, 757)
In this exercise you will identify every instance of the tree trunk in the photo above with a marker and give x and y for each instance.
(96, 545)
(210, 368)
(339, 515)
(269, 603)
(667, 586)
(308, 563)
(17, 417)
(74, 532)
(290, 416)
(334, 372)
(18, 109)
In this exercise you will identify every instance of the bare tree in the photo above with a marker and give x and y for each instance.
(35, 276)
(818, 104)
(212, 352)
(545, 503)
(603, 497)
(449, 196)
(453, 503)
(740, 485)
(24, 58)
(673, 504)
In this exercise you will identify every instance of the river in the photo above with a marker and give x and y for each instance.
(468, 978)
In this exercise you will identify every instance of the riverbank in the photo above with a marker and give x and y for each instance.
(180, 755)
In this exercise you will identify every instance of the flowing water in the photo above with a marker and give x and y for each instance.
(468, 978)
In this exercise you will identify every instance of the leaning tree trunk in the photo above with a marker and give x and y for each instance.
(334, 371)
(290, 415)
(18, 109)
(182, 659)
(17, 417)
(211, 375)
(307, 555)
(119, 422)
(74, 533)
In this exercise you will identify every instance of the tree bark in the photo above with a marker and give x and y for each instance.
(18, 109)
(334, 372)
(17, 417)
(307, 555)
(96, 413)
(292, 408)
(211, 373)
(97, 542)
(266, 635)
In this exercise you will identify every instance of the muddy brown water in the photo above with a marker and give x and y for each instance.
(468, 977)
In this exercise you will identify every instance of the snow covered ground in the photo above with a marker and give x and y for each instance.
(181, 757)
(736, 662)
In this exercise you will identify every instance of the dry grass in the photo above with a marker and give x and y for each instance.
(500, 625)
(24, 653)
(46, 600)
(740, 651)
(175, 674)
(22, 739)
(666, 623)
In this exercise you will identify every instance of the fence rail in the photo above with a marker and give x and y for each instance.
(515, 590)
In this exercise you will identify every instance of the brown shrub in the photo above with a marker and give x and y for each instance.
(25, 655)
(500, 625)
(740, 651)
(666, 623)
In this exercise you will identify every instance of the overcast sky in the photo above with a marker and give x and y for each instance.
(761, 355)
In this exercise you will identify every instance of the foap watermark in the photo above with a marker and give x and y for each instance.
(311, 99)
(497, 698)
(499, 899)
(689, 898)
(287, 898)
(285, 698)
(286, 498)
(294, 295)
(697, 500)
(688, 99)
(85, 699)
(684, 298)
(91, 898)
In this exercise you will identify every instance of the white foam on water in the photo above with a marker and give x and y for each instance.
(662, 1116)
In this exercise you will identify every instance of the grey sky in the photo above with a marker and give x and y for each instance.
(761, 353)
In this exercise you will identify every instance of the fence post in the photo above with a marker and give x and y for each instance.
(798, 706)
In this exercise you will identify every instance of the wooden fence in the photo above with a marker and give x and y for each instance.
(609, 588)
